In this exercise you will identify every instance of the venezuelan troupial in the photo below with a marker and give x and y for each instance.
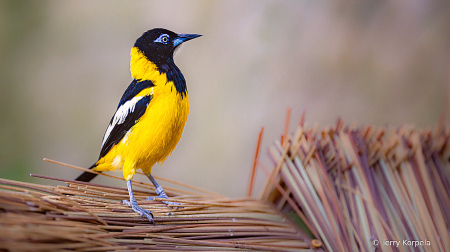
(151, 114)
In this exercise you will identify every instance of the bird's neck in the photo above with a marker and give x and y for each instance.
(159, 73)
(142, 68)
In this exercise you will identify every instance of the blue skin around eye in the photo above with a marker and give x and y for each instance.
(160, 39)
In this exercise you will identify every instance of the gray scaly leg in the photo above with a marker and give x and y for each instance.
(160, 192)
(134, 205)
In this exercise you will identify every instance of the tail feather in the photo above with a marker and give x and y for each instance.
(87, 176)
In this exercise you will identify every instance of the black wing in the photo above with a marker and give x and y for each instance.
(133, 89)
(130, 109)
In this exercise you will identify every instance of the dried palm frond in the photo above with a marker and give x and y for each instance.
(365, 188)
(90, 217)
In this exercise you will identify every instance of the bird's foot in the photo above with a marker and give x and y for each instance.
(162, 195)
(136, 208)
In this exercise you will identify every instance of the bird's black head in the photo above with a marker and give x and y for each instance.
(158, 44)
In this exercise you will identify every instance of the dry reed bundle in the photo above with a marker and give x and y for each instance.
(365, 188)
(89, 217)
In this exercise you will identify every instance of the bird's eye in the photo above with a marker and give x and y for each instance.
(164, 38)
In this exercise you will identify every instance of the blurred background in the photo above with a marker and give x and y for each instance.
(65, 65)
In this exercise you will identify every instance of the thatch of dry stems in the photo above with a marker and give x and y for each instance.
(83, 216)
(366, 188)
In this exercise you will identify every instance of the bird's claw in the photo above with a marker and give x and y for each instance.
(137, 209)
(126, 202)
(169, 203)
(162, 195)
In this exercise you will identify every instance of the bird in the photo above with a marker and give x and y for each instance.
(150, 116)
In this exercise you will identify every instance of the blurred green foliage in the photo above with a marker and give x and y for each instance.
(18, 20)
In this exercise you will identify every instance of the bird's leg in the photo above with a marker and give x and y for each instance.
(160, 192)
(134, 205)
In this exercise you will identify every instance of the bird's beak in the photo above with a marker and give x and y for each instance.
(183, 38)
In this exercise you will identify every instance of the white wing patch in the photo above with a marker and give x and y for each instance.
(120, 115)
(117, 161)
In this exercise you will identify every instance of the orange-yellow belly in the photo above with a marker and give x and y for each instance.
(153, 138)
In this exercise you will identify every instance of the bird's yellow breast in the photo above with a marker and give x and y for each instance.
(157, 132)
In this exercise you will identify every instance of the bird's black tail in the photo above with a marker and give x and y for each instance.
(87, 176)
